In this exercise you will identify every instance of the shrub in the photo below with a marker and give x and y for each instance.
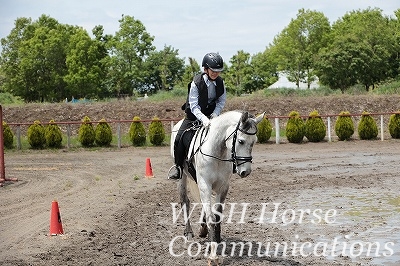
(156, 132)
(295, 128)
(86, 135)
(367, 128)
(315, 129)
(36, 137)
(53, 135)
(8, 136)
(394, 125)
(344, 126)
(264, 130)
(137, 132)
(103, 133)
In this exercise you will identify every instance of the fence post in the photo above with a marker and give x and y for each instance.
(19, 137)
(382, 128)
(329, 129)
(277, 131)
(68, 136)
(2, 165)
(119, 134)
(2, 169)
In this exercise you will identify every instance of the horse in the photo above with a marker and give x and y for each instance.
(215, 153)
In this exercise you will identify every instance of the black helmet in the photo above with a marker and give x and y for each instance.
(213, 61)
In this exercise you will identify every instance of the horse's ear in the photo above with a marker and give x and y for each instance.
(259, 118)
(244, 118)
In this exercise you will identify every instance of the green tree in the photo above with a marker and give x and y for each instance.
(8, 136)
(344, 126)
(189, 72)
(36, 135)
(395, 57)
(43, 60)
(367, 128)
(295, 128)
(53, 135)
(239, 73)
(264, 70)
(86, 133)
(156, 132)
(394, 125)
(137, 132)
(264, 130)
(362, 50)
(164, 69)
(86, 63)
(315, 129)
(9, 59)
(103, 133)
(297, 46)
(36, 51)
(337, 64)
(128, 50)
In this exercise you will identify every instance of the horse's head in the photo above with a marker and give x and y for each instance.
(243, 140)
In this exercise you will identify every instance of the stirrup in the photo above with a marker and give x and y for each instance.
(178, 174)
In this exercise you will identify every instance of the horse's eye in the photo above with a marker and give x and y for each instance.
(241, 141)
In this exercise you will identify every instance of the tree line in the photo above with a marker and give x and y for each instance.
(44, 60)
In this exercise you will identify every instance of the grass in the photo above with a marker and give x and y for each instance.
(75, 144)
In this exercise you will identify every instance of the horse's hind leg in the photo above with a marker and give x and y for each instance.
(185, 203)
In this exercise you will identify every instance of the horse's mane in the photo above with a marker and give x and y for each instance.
(235, 115)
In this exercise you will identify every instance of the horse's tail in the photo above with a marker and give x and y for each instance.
(194, 190)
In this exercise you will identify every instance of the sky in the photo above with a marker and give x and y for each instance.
(194, 28)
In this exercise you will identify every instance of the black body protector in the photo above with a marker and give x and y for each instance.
(187, 129)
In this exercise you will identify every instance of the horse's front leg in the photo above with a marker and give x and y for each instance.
(205, 194)
(203, 228)
(220, 199)
(185, 203)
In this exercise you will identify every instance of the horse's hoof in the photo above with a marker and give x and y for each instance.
(203, 232)
(216, 262)
(189, 236)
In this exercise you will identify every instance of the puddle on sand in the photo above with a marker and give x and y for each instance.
(368, 217)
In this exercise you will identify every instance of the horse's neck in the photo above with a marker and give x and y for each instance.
(217, 138)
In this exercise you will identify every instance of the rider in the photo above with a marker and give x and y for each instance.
(206, 99)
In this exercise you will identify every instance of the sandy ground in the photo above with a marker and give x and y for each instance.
(113, 215)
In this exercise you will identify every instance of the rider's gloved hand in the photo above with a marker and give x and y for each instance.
(206, 122)
(213, 115)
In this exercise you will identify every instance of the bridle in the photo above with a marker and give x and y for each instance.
(234, 158)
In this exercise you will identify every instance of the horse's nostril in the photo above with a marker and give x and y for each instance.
(244, 173)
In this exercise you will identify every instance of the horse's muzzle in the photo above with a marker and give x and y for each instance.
(244, 173)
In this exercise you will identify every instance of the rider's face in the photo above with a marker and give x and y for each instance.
(212, 74)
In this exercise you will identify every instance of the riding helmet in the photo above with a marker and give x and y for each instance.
(213, 61)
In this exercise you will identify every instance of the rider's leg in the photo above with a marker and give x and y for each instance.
(179, 152)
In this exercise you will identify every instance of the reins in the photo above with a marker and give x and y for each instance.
(234, 158)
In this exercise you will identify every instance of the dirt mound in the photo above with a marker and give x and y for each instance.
(147, 109)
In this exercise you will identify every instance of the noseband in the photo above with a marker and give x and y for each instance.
(234, 157)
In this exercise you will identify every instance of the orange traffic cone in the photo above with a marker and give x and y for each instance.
(55, 220)
(149, 170)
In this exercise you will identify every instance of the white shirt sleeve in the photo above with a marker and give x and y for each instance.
(194, 102)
